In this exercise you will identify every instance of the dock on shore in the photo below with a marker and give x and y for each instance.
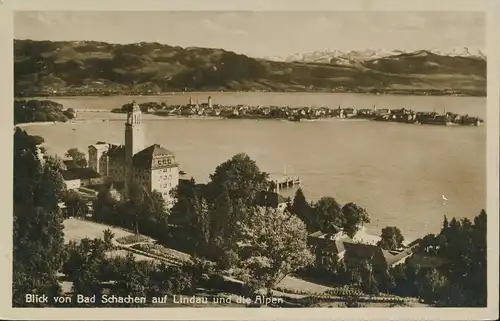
(284, 182)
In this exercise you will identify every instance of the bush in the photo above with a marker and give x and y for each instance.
(131, 239)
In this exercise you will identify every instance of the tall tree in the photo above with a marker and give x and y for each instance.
(354, 216)
(328, 215)
(85, 265)
(201, 226)
(38, 240)
(275, 246)
(391, 238)
(78, 158)
(241, 177)
(133, 278)
(302, 209)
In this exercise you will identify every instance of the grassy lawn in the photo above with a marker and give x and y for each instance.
(76, 229)
(294, 284)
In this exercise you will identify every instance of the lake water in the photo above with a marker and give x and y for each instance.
(398, 172)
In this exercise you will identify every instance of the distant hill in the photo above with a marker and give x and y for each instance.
(90, 68)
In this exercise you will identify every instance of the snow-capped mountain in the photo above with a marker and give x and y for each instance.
(353, 56)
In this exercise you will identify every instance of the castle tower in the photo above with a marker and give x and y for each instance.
(210, 101)
(134, 135)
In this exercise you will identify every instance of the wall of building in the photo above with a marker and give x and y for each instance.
(134, 140)
(117, 171)
(164, 180)
(142, 177)
(73, 184)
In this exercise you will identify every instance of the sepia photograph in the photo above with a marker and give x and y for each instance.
(250, 159)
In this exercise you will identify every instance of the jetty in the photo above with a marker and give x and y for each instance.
(284, 181)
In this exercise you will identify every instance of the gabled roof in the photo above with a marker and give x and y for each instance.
(336, 247)
(144, 158)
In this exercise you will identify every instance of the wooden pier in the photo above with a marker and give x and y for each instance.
(284, 182)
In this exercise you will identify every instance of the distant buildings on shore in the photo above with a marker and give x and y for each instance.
(209, 109)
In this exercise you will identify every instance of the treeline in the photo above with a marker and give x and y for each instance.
(221, 222)
(40, 254)
(459, 279)
(456, 279)
(29, 111)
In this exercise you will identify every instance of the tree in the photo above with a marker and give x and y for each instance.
(275, 245)
(168, 279)
(84, 266)
(354, 216)
(76, 206)
(302, 209)
(327, 215)
(38, 237)
(153, 215)
(241, 177)
(201, 226)
(133, 278)
(38, 252)
(78, 158)
(431, 285)
(391, 238)
(446, 224)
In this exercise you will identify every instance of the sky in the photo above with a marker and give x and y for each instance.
(262, 34)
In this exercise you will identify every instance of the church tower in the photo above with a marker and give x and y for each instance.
(134, 135)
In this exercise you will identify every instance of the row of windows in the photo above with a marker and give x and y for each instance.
(164, 161)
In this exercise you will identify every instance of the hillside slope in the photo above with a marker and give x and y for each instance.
(87, 67)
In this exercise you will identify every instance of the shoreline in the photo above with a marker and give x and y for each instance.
(78, 120)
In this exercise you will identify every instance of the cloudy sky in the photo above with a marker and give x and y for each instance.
(262, 34)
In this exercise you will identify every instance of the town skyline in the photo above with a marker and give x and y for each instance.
(263, 34)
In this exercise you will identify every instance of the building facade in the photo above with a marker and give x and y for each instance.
(153, 167)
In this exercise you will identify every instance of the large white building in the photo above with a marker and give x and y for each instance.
(153, 167)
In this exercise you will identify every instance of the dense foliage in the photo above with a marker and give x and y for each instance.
(40, 111)
(328, 215)
(456, 279)
(78, 158)
(224, 230)
(38, 251)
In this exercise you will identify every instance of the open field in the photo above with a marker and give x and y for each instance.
(75, 230)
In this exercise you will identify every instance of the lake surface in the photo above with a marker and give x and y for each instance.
(398, 172)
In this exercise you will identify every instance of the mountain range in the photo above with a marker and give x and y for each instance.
(93, 68)
(349, 57)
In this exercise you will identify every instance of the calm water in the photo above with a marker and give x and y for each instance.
(398, 172)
